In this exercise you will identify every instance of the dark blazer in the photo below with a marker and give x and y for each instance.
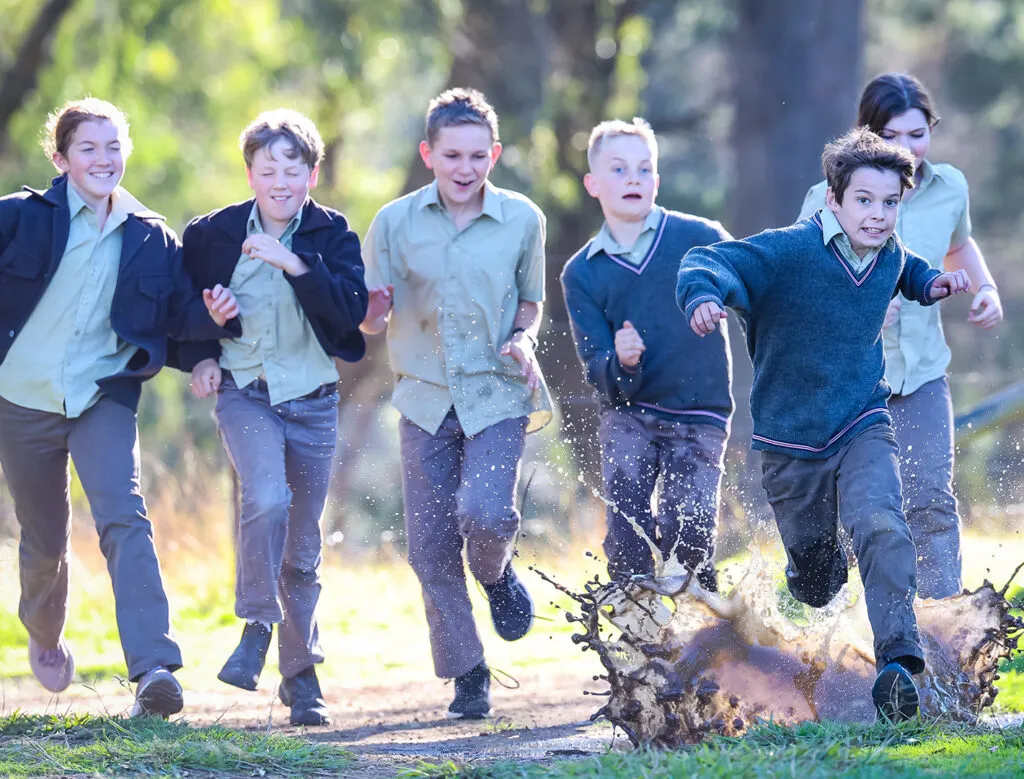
(332, 295)
(153, 298)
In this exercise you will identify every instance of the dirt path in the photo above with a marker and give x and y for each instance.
(389, 727)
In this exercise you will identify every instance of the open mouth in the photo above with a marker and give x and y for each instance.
(633, 196)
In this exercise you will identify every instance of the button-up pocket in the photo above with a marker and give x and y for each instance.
(154, 290)
(21, 263)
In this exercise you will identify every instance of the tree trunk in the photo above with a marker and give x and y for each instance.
(34, 52)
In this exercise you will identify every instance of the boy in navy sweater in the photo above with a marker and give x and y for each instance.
(663, 392)
(812, 298)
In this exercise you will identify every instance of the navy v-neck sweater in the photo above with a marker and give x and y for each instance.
(680, 376)
(813, 328)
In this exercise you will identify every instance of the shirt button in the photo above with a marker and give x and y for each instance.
(11, 334)
(78, 332)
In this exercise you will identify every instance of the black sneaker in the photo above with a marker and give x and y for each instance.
(244, 666)
(895, 694)
(472, 694)
(511, 606)
(302, 694)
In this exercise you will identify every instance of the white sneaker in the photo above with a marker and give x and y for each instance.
(54, 668)
(158, 694)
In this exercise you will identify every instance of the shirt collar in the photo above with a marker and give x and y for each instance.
(830, 228)
(604, 241)
(491, 206)
(254, 225)
(122, 204)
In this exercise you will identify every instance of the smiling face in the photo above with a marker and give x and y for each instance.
(281, 184)
(94, 161)
(869, 208)
(911, 131)
(624, 178)
(461, 158)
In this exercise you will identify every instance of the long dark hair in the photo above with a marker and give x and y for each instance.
(892, 94)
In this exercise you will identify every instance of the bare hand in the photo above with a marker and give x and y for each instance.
(261, 246)
(705, 318)
(892, 313)
(520, 349)
(629, 346)
(206, 378)
(220, 302)
(987, 309)
(380, 302)
(951, 283)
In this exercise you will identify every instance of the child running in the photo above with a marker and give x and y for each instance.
(812, 298)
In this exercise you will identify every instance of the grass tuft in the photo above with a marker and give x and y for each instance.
(85, 744)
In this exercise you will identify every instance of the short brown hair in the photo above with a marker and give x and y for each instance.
(61, 124)
(613, 128)
(457, 107)
(861, 148)
(270, 126)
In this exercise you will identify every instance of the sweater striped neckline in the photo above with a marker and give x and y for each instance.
(638, 269)
(857, 279)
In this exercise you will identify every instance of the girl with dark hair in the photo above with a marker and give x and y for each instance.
(934, 222)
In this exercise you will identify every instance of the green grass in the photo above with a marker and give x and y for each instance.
(807, 751)
(83, 744)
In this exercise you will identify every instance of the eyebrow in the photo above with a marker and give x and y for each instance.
(869, 192)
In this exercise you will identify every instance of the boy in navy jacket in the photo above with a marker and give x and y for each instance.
(91, 285)
(295, 267)
(813, 298)
(663, 391)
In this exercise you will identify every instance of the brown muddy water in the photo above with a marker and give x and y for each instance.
(682, 663)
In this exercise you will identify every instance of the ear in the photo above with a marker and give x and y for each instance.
(314, 177)
(248, 176)
(425, 151)
(657, 185)
(590, 184)
(60, 162)
(495, 153)
(830, 200)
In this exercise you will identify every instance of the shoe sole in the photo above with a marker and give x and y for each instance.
(161, 698)
(895, 696)
(241, 682)
(453, 715)
(320, 721)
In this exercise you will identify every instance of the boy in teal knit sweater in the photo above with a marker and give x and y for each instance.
(813, 298)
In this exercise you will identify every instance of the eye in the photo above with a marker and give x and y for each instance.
(892, 203)
(618, 169)
(917, 134)
(863, 200)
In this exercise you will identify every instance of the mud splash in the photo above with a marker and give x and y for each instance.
(683, 663)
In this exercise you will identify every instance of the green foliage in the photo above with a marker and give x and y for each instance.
(83, 744)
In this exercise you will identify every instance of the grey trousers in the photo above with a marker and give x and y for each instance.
(459, 490)
(282, 455)
(859, 486)
(923, 422)
(638, 448)
(35, 447)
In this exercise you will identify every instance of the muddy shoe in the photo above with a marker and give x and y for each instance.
(158, 695)
(511, 606)
(895, 694)
(54, 668)
(472, 694)
(244, 666)
(301, 693)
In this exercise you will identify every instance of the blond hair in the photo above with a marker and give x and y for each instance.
(613, 128)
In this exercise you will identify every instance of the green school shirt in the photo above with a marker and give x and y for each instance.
(68, 343)
(604, 241)
(934, 220)
(455, 300)
(277, 340)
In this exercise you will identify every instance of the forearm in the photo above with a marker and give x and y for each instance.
(528, 316)
(968, 257)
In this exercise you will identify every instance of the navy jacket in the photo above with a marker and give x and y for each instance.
(332, 295)
(153, 298)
